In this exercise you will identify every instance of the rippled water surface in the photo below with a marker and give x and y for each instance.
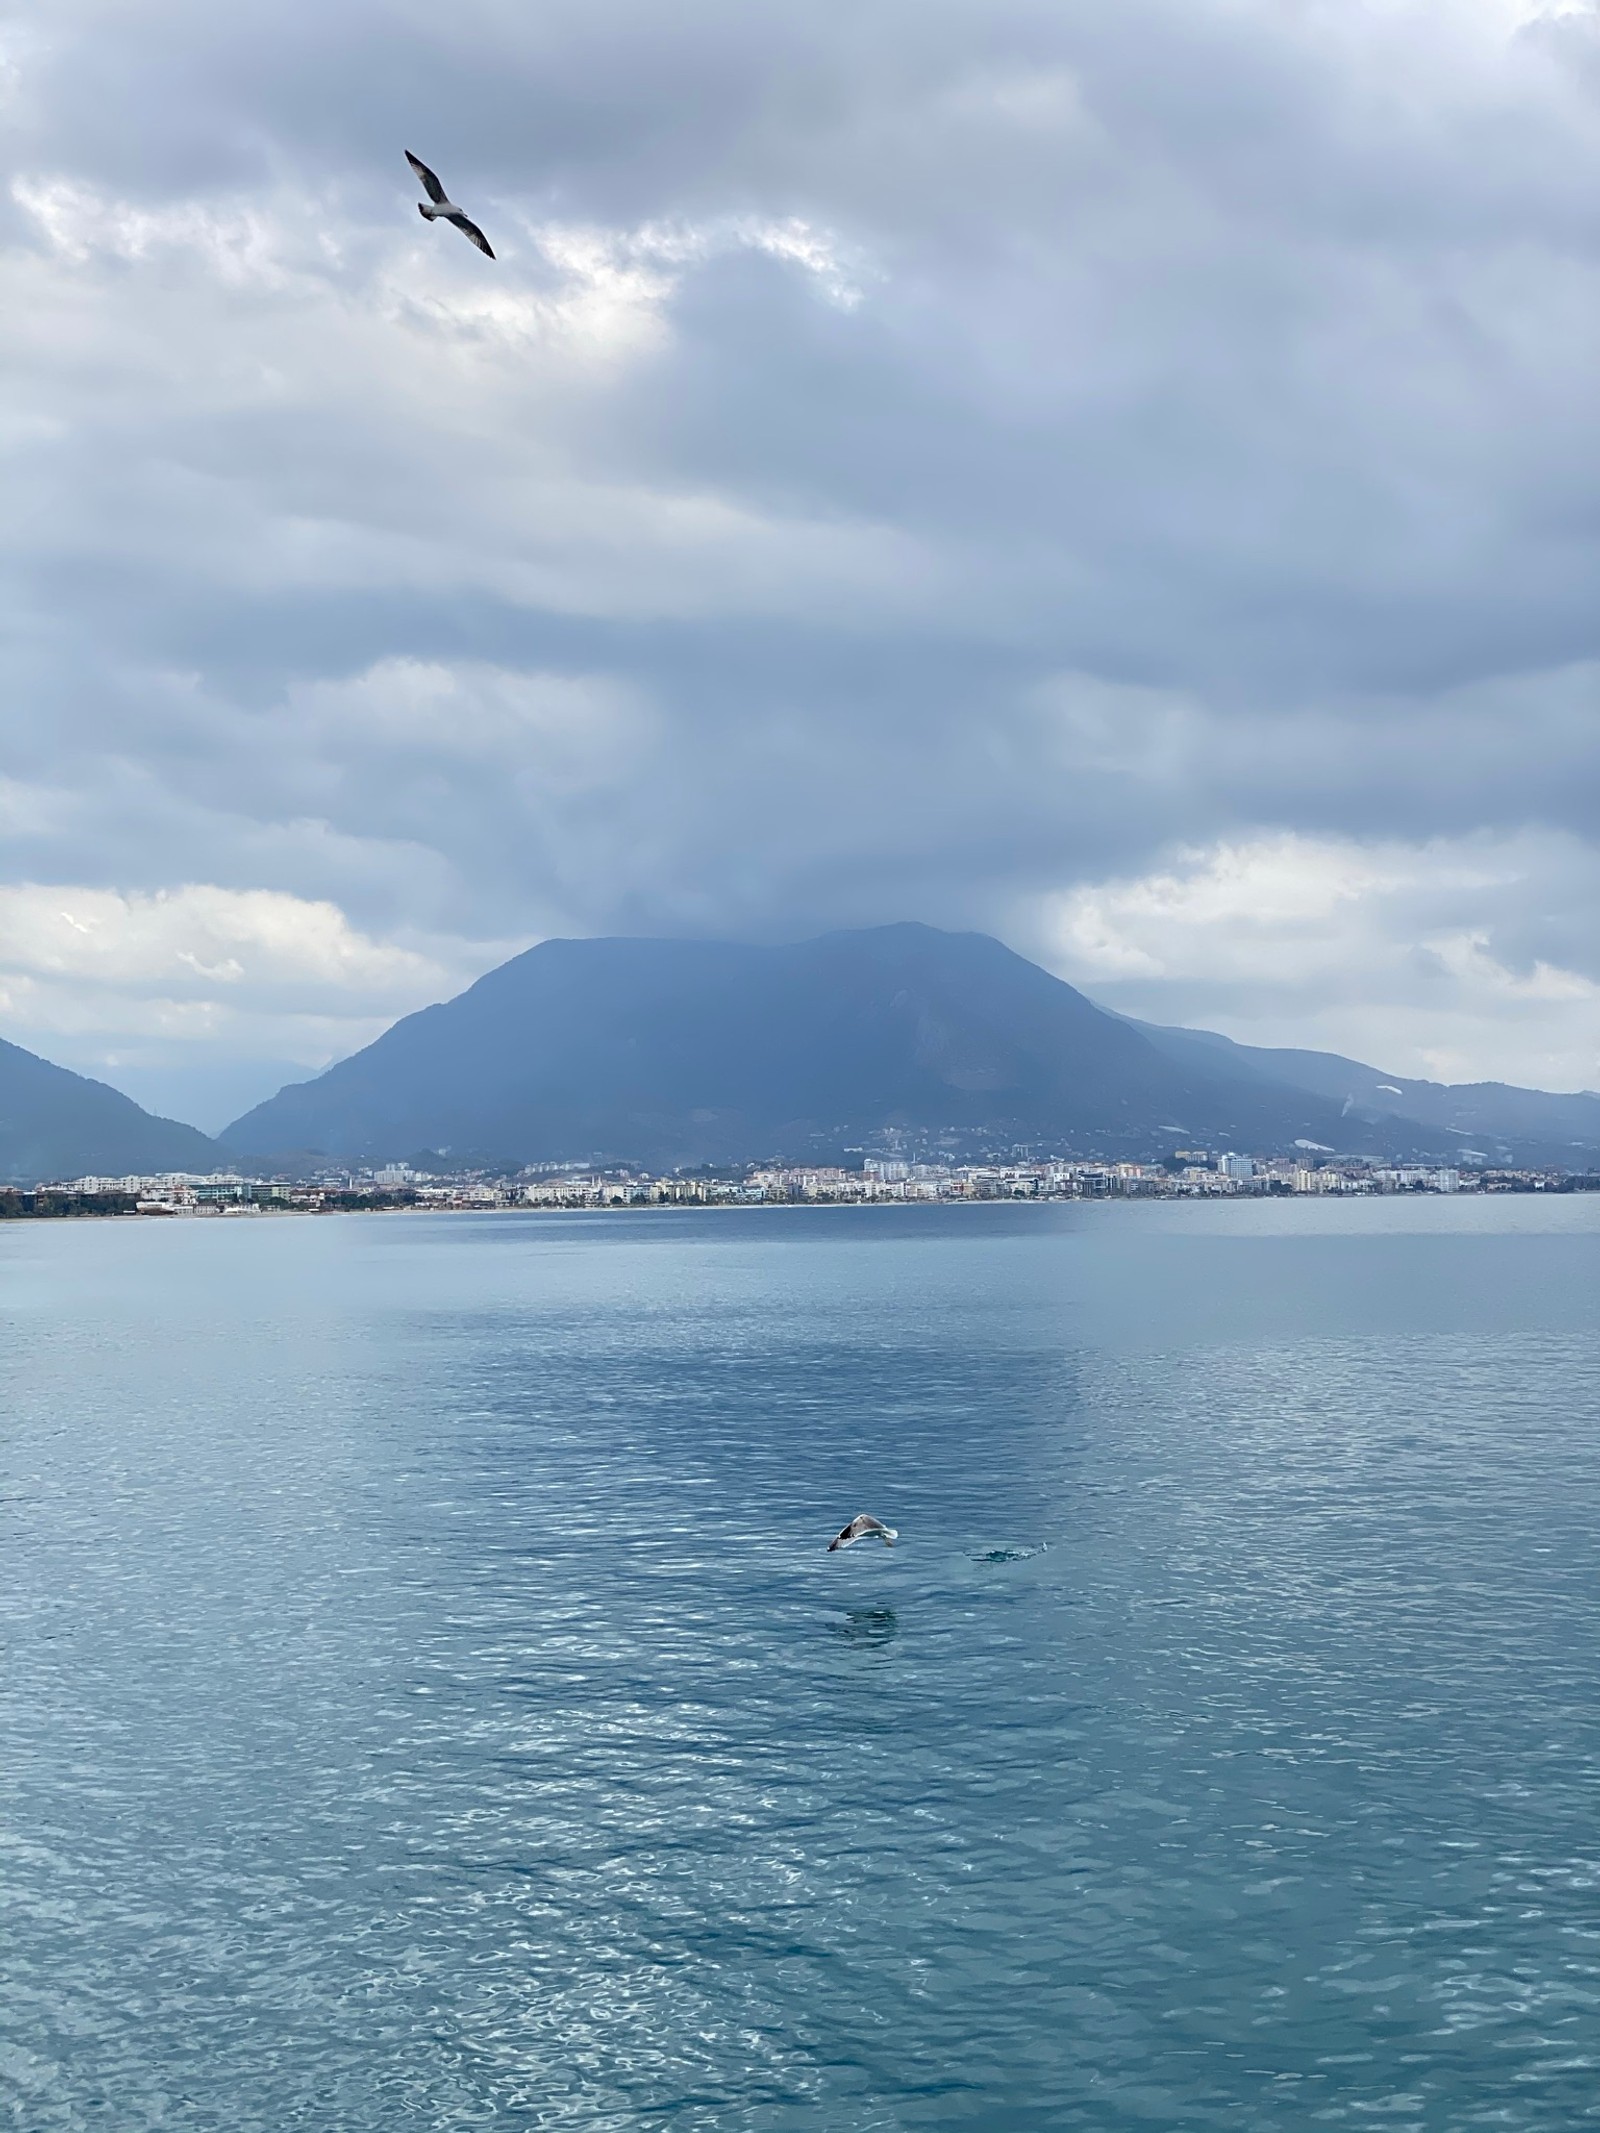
(428, 1702)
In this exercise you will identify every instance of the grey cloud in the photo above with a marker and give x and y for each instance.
(1190, 439)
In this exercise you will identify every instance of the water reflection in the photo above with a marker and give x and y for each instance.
(867, 1625)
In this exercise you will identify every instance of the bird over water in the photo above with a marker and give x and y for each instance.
(860, 1528)
(438, 207)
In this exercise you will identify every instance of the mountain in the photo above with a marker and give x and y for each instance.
(55, 1124)
(678, 1052)
(1532, 1127)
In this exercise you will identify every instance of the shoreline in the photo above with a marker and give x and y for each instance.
(1577, 1188)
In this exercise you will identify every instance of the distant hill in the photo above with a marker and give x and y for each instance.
(55, 1124)
(668, 1052)
(1492, 1118)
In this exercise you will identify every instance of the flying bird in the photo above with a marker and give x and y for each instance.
(438, 207)
(861, 1528)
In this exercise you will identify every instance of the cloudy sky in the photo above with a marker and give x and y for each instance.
(1123, 477)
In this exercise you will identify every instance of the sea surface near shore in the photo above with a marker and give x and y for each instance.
(427, 1701)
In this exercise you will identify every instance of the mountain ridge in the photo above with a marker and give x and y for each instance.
(57, 1124)
(692, 1051)
(1497, 1118)
(669, 1053)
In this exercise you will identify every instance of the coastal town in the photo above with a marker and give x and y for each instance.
(1194, 1173)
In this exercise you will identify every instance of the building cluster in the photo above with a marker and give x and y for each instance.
(1191, 1173)
(177, 1192)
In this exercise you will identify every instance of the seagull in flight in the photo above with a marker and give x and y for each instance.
(861, 1528)
(439, 208)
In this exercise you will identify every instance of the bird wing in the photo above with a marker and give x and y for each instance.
(471, 229)
(430, 184)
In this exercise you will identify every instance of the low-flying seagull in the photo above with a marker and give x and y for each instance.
(862, 1528)
(438, 208)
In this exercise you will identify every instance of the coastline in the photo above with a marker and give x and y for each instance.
(1573, 1189)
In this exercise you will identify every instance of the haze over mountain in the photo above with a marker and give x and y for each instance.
(669, 1052)
(56, 1124)
(677, 1052)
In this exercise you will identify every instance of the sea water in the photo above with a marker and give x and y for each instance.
(429, 1702)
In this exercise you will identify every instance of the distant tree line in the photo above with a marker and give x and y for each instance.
(358, 1202)
(16, 1202)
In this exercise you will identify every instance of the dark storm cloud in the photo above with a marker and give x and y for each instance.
(908, 461)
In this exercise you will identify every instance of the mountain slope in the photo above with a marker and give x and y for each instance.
(56, 1124)
(1533, 1126)
(668, 1052)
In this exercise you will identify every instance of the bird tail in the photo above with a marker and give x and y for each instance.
(891, 1534)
